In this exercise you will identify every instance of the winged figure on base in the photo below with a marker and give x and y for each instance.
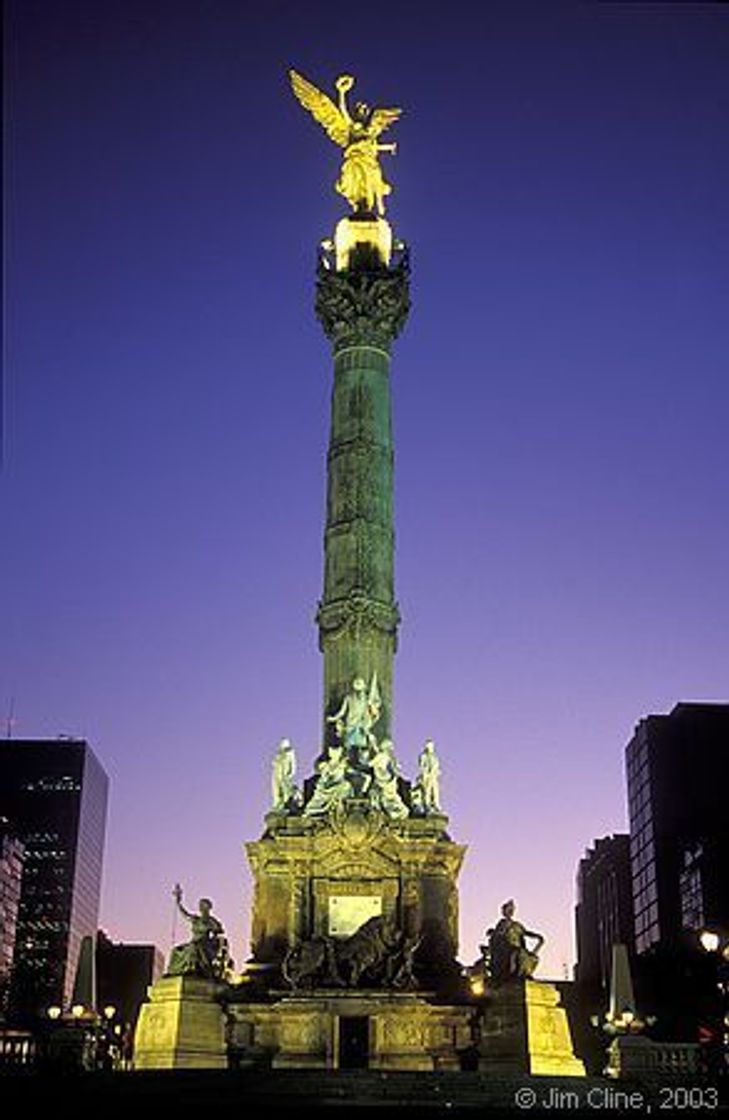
(357, 131)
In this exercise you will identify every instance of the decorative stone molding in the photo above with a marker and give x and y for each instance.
(356, 613)
(363, 308)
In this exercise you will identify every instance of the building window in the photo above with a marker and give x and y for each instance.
(691, 888)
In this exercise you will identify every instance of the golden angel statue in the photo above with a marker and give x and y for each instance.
(360, 180)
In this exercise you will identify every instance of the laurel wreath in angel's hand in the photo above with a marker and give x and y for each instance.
(336, 120)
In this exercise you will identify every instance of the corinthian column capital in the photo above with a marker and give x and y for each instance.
(363, 308)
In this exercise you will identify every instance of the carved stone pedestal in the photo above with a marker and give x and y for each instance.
(356, 1029)
(182, 1026)
(524, 1029)
(325, 877)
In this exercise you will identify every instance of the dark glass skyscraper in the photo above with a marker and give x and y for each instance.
(677, 767)
(55, 792)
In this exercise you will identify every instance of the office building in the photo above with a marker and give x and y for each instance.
(677, 766)
(603, 916)
(123, 974)
(11, 873)
(677, 769)
(55, 792)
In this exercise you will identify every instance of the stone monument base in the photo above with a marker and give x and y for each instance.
(182, 1026)
(362, 1029)
(524, 1029)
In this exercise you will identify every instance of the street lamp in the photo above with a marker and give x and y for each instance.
(107, 1046)
(716, 944)
(85, 1038)
(477, 986)
(709, 940)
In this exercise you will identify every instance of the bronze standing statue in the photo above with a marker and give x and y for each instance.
(357, 131)
(357, 715)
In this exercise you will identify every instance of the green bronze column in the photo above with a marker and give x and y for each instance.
(362, 302)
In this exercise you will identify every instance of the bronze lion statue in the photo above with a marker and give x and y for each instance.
(326, 962)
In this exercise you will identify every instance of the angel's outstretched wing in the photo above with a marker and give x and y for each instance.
(322, 108)
(382, 119)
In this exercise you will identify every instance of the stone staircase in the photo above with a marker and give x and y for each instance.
(289, 1092)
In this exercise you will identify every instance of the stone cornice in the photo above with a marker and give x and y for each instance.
(334, 848)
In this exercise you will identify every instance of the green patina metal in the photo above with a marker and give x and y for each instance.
(362, 310)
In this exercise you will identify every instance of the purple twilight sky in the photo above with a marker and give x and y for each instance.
(560, 398)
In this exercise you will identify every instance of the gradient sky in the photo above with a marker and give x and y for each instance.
(561, 395)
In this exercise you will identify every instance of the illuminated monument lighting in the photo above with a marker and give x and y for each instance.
(355, 913)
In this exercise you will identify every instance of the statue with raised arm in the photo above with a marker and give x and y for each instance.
(357, 715)
(285, 794)
(206, 953)
(357, 131)
(509, 956)
(427, 787)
